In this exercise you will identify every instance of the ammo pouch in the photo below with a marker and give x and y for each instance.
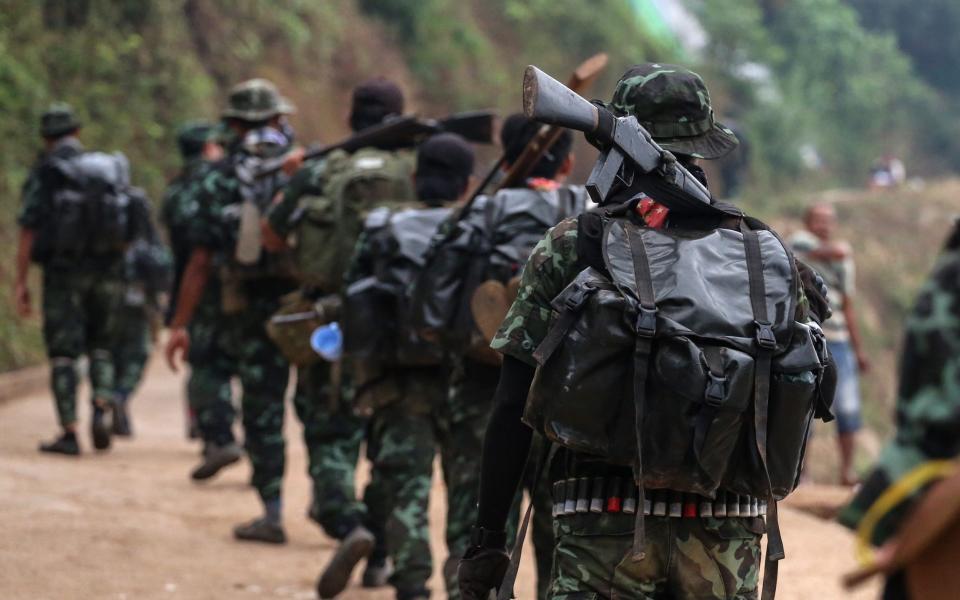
(683, 361)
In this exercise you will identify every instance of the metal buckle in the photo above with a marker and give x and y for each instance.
(646, 323)
(765, 337)
(716, 391)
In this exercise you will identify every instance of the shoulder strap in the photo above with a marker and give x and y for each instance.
(590, 241)
(766, 343)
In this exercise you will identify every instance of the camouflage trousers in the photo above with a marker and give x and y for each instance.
(78, 318)
(264, 374)
(131, 349)
(402, 442)
(332, 434)
(687, 559)
(472, 386)
(211, 369)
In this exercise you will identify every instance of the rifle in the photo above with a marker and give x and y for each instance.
(398, 132)
(628, 153)
(581, 79)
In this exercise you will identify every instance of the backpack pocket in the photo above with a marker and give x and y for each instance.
(697, 397)
(794, 392)
(366, 334)
(582, 393)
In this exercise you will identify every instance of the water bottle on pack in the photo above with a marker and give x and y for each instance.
(327, 341)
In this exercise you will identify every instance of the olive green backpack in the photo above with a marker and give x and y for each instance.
(328, 224)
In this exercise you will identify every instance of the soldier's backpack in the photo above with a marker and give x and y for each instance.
(376, 308)
(491, 242)
(91, 208)
(328, 223)
(680, 356)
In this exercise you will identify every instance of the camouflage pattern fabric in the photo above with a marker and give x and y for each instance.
(686, 559)
(211, 366)
(333, 435)
(401, 444)
(262, 370)
(131, 349)
(79, 311)
(928, 399)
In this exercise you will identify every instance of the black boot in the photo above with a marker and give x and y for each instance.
(100, 427)
(121, 418)
(216, 458)
(260, 530)
(354, 548)
(65, 444)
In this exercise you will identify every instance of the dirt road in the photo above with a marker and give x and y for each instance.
(130, 525)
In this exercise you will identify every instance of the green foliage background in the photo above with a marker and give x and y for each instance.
(134, 69)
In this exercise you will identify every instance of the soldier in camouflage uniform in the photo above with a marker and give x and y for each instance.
(702, 557)
(411, 412)
(928, 402)
(79, 294)
(211, 365)
(332, 432)
(146, 274)
(250, 290)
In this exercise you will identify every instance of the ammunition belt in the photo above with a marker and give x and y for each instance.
(579, 495)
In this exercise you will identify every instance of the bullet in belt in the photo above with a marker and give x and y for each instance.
(630, 501)
(733, 506)
(583, 495)
(614, 499)
(744, 506)
(659, 503)
(720, 505)
(706, 507)
(763, 508)
(676, 504)
(755, 507)
(558, 487)
(689, 506)
(570, 502)
(596, 498)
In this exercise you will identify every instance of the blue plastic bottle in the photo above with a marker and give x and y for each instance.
(327, 341)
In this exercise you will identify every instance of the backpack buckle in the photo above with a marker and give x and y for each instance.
(716, 391)
(646, 323)
(765, 337)
(578, 298)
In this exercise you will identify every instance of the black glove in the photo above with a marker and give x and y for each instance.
(816, 292)
(481, 570)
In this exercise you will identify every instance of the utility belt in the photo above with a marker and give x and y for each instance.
(580, 495)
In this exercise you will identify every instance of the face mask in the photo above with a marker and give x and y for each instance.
(266, 142)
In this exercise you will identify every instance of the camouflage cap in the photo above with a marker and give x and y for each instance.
(673, 104)
(193, 136)
(58, 120)
(256, 100)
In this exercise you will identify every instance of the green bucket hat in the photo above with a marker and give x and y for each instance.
(256, 100)
(58, 120)
(193, 136)
(673, 104)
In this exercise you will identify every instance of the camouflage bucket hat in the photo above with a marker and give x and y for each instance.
(256, 100)
(673, 104)
(193, 136)
(58, 120)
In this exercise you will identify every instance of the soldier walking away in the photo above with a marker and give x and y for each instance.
(651, 475)
(212, 364)
(226, 244)
(74, 224)
(146, 283)
(401, 379)
(500, 230)
(323, 210)
(832, 258)
(924, 449)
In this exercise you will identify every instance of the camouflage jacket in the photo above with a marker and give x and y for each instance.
(928, 399)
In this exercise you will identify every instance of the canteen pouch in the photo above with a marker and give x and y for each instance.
(366, 333)
(292, 325)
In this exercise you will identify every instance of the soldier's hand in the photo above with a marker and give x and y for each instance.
(270, 239)
(481, 571)
(21, 298)
(293, 161)
(177, 344)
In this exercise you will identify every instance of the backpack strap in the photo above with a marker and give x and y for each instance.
(645, 327)
(505, 592)
(766, 343)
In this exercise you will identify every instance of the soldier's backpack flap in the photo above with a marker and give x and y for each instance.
(329, 222)
(377, 312)
(699, 387)
(91, 206)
